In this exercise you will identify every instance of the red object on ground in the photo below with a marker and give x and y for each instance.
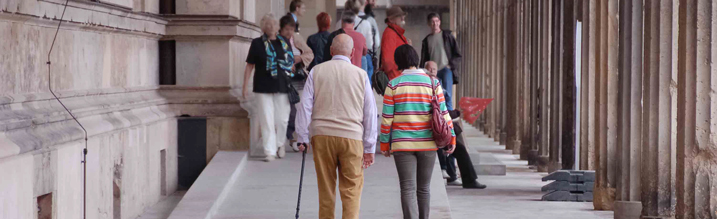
(472, 107)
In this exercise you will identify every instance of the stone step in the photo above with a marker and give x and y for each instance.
(568, 196)
(208, 192)
(573, 176)
(487, 164)
(567, 186)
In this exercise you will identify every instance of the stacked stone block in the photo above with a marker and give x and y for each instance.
(568, 185)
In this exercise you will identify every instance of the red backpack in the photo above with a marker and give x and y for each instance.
(441, 131)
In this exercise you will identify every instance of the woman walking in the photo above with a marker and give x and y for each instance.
(407, 101)
(272, 58)
(303, 56)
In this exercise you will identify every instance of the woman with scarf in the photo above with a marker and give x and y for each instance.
(271, 58)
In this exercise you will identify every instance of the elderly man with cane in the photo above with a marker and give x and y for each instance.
(338, 107)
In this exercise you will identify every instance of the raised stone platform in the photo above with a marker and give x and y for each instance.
(269, 190)
(212, 187)
(487, 164)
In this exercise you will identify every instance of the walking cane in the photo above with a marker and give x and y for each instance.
(301, 181)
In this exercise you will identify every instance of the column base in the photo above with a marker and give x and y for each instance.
(542, 163)
(554, 166)
(532, 157)
(525, 151)
(603, 198)
(627, 209)
(496, 136)
(658, 217)
(503, 138)
(516, 146)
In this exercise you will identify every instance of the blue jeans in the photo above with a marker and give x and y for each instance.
(366, 65)
(445, 76)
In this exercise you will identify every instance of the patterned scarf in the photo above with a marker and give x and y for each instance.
(285, 63)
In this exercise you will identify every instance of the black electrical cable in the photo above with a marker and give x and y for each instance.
(49, 85)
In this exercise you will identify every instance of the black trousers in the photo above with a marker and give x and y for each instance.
(292, 123)
(448, 163)
(468, 173)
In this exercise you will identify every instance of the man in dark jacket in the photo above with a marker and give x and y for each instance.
(440, 46)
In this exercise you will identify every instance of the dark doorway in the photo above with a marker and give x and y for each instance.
(192, 149)
(163, 171)
(44, 206)
(116, 201)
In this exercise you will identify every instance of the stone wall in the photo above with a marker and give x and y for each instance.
(105, 69)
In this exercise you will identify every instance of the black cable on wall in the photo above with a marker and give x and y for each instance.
(49, 85)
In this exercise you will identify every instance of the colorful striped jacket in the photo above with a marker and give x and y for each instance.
(406, 113)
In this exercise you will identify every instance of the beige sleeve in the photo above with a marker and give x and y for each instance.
(307, 55)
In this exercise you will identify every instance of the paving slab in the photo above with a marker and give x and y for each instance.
(515, 195)
(269, 190)
(163, 208)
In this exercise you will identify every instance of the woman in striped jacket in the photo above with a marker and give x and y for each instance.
(406, 130)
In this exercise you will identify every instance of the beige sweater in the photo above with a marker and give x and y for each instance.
(339, 90)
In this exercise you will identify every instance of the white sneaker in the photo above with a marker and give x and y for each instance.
(457, 182)
(281, 152)
(269, 158)
(445, 174)
(295, 146)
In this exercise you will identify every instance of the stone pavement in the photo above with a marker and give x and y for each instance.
(269, 190)
(515, 195)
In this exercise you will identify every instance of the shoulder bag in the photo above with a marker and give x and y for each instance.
(441, 131)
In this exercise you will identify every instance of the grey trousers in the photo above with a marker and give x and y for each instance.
(414, 173)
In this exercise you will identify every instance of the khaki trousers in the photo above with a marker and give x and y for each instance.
(345, 154)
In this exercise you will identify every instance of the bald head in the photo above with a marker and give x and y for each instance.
(432, 68)
(342, 45)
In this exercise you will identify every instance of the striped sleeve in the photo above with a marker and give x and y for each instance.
(387, 117)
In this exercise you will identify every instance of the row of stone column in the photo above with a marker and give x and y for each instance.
(654, 103)
(647, 94)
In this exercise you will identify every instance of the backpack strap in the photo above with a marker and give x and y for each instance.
(359, 24)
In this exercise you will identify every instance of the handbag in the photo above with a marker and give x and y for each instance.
(294, 97)
(379, 81)
(441, 131)
(299, 74)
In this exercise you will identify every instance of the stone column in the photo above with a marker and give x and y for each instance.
(491, 65)
(556, 86)
(525, 85)
(659, 112)
(545, 42)
(567, 150)
(502, 74)
(697, 111)
(520, 77)
(534, 75)
(484, 63)
(587, 93)
(606, 115)
(629, 128)
(511, 75)
(495, 133)
(498, 75)
(488, 57)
